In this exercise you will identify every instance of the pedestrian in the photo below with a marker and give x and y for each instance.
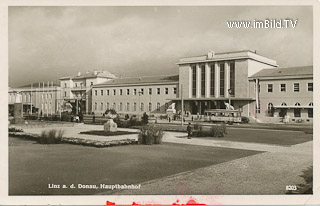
(93, 118)
(191, 118)
(189, 130)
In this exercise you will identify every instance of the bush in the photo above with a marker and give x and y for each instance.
(245, 120)
(150, 134)
(145, 118)
(13, 129)
(218, 130)
(50, 137)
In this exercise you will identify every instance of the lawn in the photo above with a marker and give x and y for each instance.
(264, 136)
(33, 166)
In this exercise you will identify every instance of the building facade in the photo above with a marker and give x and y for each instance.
(212, 80)
(40, 98)
(77, 90)
(135, 95)
(283, 92)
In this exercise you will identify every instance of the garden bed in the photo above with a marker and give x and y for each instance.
(105, 133)
(78, 141)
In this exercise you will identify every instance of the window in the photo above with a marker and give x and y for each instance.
(257, 108)
(114, 106)
(283, 104)
(270, 109)
(141, 91)
(95, 106)
(297, 111)
(95, 92)
(128, 106)
(166, 90)
(158, 106)
(203, 80)
(65, 85)
(222, 79)
(101, 106)
(107, 106)
(142, 107)
(114, 92)
(128, 91)
(50, 96)
(120, 91)
(158, 90)
(91, 83)
(310, 87)
(108, 92)
(194, 80)
(76, 84)
(101, 92)
(135, 106)
(296, 87)
(282, 87)
(310, 110)
(174, 90)
(120, 106)
(150, 107)
(134, 91)
(65, 94)
(81, 84)
(150, 91)
(270, 87)
(232, 78)
(212, 79)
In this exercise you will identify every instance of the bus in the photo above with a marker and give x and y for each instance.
(222, 115)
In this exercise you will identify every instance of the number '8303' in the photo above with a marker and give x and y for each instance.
(291, 187)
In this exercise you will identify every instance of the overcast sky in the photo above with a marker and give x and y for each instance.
(50, 42)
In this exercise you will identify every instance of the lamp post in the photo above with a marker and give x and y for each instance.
(229, 92)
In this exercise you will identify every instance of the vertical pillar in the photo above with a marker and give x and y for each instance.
(226, 79)
(217, 80)
(198, 81)
(207, 69)
(190, 82)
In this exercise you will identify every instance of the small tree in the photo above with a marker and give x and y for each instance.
(145, 118)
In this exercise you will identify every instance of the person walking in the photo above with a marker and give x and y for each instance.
(189, 130)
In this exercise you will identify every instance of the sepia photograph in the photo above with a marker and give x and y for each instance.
(119, 100)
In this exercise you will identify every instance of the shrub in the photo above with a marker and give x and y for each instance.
(50, 137)
(13, 129)
(218, 130)
(150, 134)
(145, 118)
(245, 120)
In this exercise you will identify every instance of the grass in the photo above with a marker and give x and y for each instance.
(32, 167)
(105, 133)
(273, 137)
(307, 187)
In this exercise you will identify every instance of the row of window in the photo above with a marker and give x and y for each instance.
(76, 84)
(283, 111)
(27, 97)
(212, 79)
(127, 106)
(134, 91)
(283, 87)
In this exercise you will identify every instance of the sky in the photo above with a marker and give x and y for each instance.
(46, 43)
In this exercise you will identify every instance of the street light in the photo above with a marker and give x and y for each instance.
(229, 92)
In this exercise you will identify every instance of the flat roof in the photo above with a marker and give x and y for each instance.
(223, 56)
(91, 74)
(302, 71)
(139, 80)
